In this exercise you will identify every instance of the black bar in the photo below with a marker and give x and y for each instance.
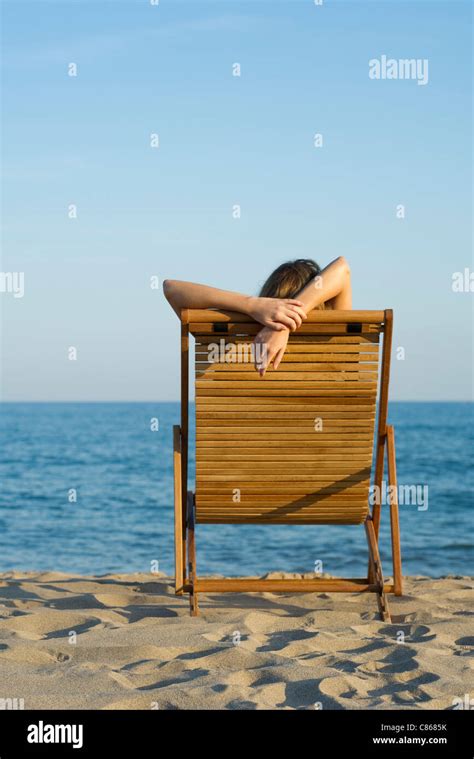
(413, 733)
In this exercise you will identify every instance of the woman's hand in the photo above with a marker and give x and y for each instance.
(270, 346)
(277, 313)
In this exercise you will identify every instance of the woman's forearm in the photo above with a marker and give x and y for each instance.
(271, 312)
(332, 286)
(191, 295)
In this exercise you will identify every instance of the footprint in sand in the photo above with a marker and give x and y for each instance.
(400, 659)
(467, 641)
(286, 639)
(371, 648)
(394, 679)
(466, 646)
(155, 655)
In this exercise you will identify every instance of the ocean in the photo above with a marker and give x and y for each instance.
(88, 488)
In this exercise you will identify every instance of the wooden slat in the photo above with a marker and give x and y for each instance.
(304, 379)
(243, 471)
(294, 351)
(277, 512)
(297, 342)
(288, 518)
(316, 316)
(311, 480)
(339, 407)
(211, 454)
(241, 434)
(328, 517)
(290, 504)
(317, 442)
(295, 489)
(302, 403)
(265, 519)
(357, 512)
(353, 495)
(290, 363)
(335, 418)
(315, 439)
(350, 496)
(342, 366)
(297, 467)
(264, 413)
(353, 509)
(249, 329)
(285, 432)
(319, 446)
(256, 410)
(330, 508)
(316, 382)
(338, 509)
(295, 508)
(302, 422)
(235, 357)
(294, 505)
(274, 455)
(214, 369)
(256, 585)
(282, 392)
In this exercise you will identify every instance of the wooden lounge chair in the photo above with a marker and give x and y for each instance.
(294, 447)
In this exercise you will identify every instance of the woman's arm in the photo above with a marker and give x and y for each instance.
(271, 312)
(332, 287)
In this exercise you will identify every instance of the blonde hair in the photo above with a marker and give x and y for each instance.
(290, 278)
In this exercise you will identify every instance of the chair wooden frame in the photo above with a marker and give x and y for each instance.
(186, 579)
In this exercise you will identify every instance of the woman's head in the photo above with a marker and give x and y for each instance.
(290, 278)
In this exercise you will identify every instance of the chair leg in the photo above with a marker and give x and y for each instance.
(394, 521)
(377, 507)
(376, 567)
(179, 558)
(191, 546)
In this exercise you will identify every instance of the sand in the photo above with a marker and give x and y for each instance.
(136, 647)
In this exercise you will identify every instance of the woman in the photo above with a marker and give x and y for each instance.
(293, 290)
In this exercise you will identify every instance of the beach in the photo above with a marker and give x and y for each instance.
(125, 641)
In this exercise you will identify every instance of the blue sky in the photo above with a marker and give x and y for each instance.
(226, 140)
